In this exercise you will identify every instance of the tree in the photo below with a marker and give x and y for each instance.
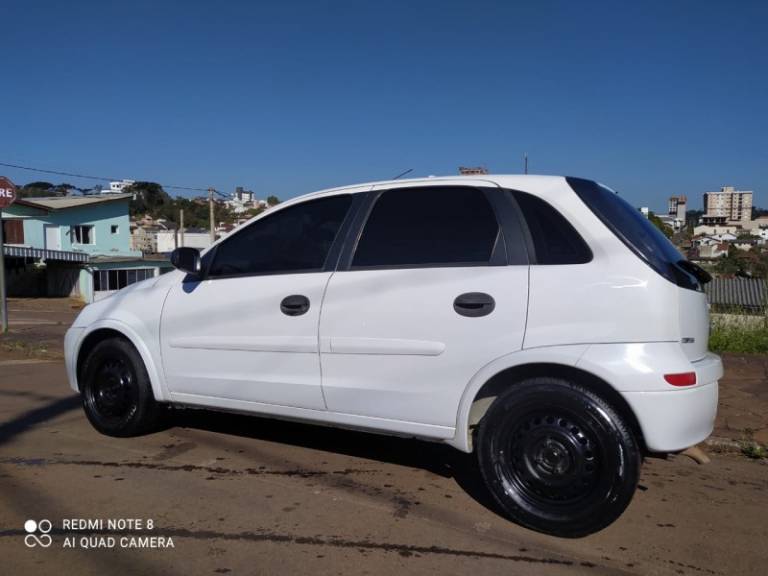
(273, 200)
(64, 189)
(150, 198)
(751, 263)
(656, 221)
(37, 190)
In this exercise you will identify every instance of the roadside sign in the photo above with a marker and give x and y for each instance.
(7, 192)
(7, 197)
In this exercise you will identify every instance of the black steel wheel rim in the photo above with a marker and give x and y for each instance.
(552, 458)
(113, 393)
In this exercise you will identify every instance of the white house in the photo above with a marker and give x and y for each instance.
(119, 185)
(169, 240)
(715, 250)
(725, 237)
(706, 229)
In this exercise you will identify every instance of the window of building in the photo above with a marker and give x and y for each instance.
(432, 226)
(82, 234)
(555, 240)
(13, 231)
(115, 229)
(110, 280)
(294, 239)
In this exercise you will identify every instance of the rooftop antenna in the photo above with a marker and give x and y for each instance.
(525, 162)
(403, 173)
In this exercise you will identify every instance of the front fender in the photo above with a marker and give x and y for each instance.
(137, 336)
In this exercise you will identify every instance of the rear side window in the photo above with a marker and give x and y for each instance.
(430, 227)
(555, 241)
(635, 230)
(294, 239)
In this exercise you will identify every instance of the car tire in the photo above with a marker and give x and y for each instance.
(116, 391)
(557, 457)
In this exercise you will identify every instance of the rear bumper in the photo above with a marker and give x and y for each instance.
(675, 419)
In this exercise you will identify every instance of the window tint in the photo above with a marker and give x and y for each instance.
(446, 225)
(297, 238)
(555, 241)
(636, 231)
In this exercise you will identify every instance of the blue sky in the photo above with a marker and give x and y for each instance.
(285, 97)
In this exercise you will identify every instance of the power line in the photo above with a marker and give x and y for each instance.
(101, 178)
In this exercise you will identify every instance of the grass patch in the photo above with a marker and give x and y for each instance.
(754, 450)
(24, 348)
(738, 337)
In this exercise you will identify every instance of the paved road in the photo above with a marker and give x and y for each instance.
(244, 495)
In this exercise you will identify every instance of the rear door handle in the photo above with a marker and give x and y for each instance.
(474, 304)
(294, 305)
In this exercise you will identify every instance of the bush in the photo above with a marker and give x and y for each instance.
(740, 337)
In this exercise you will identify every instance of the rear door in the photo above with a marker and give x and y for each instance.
(422, 300)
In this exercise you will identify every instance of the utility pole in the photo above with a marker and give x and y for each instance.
(3, 300)
(210, 206)
(7, 197)
(181, 227)
(525, 160)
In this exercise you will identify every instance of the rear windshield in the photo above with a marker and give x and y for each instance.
(635, 230)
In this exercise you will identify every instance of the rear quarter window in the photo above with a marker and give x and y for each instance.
(554, 239)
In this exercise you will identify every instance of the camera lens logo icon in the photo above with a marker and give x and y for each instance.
(32, 538)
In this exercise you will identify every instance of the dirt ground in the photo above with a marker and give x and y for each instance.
(245, 495)
(36, 327)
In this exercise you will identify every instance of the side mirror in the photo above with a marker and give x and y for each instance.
(186, 259)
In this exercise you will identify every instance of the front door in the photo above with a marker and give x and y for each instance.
(52, 237)
(248, 331)
(428, 298)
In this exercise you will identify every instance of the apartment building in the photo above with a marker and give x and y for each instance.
(728, 206)
(677, 207)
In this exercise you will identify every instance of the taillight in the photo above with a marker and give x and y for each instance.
(682, 379)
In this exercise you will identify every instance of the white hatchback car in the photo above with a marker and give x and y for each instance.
(540, 321)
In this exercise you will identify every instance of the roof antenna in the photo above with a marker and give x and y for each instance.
(403, 173)
(525, 160)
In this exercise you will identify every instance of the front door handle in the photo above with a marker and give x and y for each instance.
(294, 305)
(474, 304)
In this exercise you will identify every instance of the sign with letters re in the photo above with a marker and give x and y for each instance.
(7, 192)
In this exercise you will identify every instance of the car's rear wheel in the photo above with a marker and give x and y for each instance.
(116, 391)
(557, 457)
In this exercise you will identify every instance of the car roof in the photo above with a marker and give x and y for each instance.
(525, 182)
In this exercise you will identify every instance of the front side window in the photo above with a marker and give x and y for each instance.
(428, 227)
(555, 241)
(294, 239)
(82, 234)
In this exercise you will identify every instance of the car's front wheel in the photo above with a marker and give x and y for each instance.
(116, 391)
(557, 457)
